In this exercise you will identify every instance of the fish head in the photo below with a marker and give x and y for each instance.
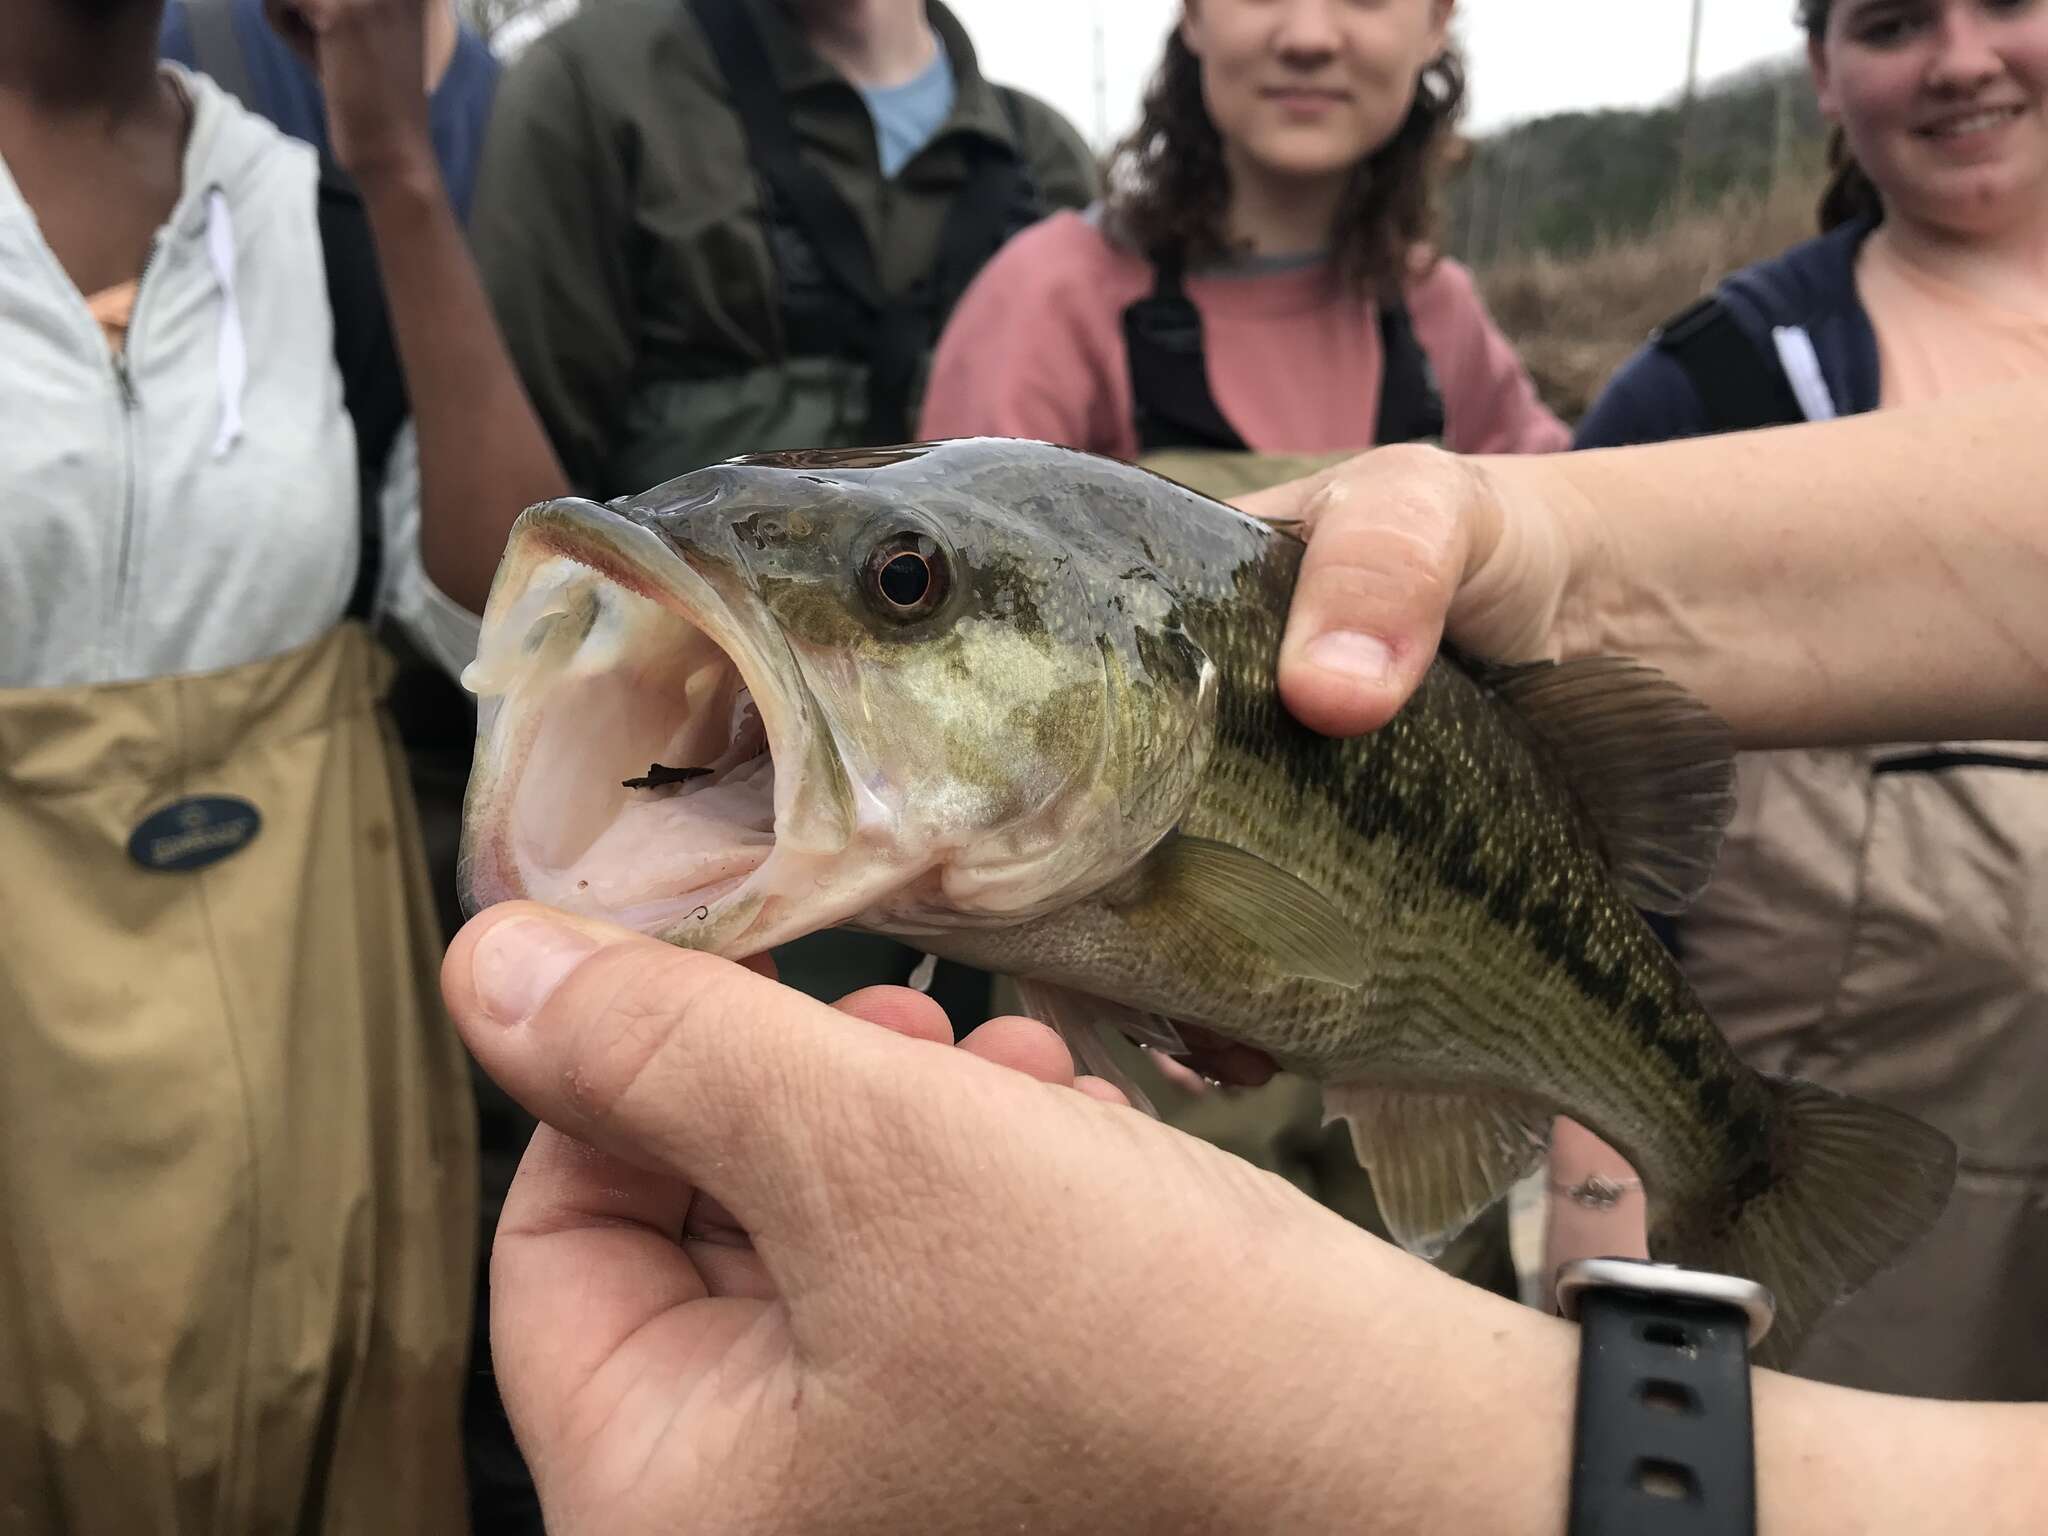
(894, 689)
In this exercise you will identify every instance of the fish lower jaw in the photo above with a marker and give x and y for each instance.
(625, 769)
(740, 903)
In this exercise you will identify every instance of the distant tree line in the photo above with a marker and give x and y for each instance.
(1565, 183)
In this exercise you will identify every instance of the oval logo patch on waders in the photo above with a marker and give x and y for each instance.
(194, 832)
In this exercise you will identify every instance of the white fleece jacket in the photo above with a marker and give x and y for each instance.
(191, 505)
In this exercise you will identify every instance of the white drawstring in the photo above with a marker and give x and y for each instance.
(231, 360)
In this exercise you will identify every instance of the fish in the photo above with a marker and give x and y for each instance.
(1016, 705)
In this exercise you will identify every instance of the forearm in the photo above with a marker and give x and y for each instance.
(1900, 593)
(1858, 1464)
(1446, 1408)
(1381, 1397)
(483, 454)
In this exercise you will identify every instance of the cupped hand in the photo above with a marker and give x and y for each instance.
(777, 1269)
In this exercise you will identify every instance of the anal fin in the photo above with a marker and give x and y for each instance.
(1437, 1160)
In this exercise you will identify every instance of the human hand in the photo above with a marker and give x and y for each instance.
(1595, 1207)
(1405, 546)
(779, 1270)
(370, 59)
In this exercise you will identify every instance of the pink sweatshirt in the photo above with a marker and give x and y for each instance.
(1036, 349)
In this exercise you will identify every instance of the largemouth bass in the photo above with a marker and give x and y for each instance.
(1016, 705)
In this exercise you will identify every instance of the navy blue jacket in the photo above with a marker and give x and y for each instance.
(1810, 290)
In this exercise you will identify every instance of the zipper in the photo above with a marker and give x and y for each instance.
(131, 466)
(1941, 761)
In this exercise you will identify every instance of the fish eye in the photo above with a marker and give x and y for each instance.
(906, 575)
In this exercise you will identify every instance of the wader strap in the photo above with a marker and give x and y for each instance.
(1411, 405)
(1739, 387)
(889, 333)
(1176, 408)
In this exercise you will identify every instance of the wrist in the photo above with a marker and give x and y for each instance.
(1832, 1459)
(1529, 542)
(1410, 1391)
(402, 172)
(1584, 613)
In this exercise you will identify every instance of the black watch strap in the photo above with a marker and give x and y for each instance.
(1663, 1442)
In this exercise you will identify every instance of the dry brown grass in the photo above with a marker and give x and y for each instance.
(1575, 321)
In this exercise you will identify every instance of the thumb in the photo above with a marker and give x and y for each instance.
(1388, 540)
(676, 1061)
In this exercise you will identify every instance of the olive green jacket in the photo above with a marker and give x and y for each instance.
(619, 226)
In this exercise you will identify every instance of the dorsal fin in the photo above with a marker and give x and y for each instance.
(1653, 767)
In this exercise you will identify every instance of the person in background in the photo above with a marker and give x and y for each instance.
(234, 42)
(971, 1299)
(1258, 293)
(221, 37)
(716, 227)
(235, 1131)
(1256, 297)
(1875, 921)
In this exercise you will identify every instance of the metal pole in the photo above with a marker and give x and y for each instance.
(1475, 212)
(1475, 179)
(1101, 82)
(1502, 195)
(1506, 238)
(1692, 80)
(1781, 147)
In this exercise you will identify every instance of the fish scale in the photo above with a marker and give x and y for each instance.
(1352, 829)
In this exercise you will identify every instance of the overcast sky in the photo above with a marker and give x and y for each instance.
(1527, 57)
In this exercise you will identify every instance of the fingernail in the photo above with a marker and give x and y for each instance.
(518, 965)
(1354, 655)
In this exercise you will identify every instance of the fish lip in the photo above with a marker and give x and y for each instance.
(626, 553)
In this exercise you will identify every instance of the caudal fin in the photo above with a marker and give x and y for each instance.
(1842, 1189)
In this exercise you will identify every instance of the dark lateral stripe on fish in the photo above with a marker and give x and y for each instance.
(1450, 841)
(1451, 848)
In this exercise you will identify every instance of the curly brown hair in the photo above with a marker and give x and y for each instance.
(1850, 193)
(1171, 191)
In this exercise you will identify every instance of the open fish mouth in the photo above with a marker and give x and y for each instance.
(628, 732)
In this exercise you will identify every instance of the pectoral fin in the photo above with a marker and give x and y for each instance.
(1223, 898)
(1086, 1024)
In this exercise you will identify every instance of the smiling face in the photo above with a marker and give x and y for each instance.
(1942, 104)
(1309, 88)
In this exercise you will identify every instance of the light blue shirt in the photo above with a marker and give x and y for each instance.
(908, 115)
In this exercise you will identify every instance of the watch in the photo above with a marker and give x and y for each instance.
(1662, 1439)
